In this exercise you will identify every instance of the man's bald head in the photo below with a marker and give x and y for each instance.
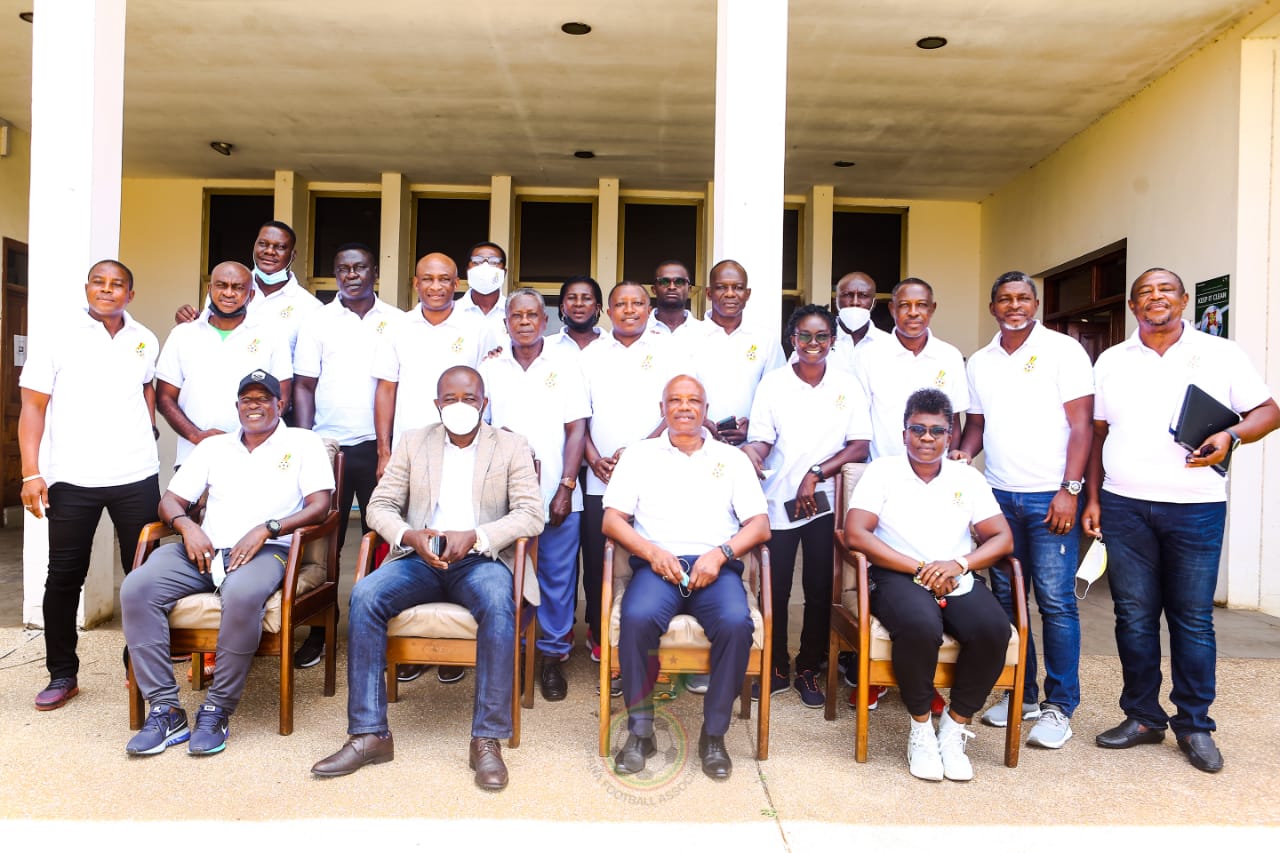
(856, 290)
(231, 271)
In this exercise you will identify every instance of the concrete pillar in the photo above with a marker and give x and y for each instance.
(751, 112)
(819, 217)
(502, 223)
(395, 266)
(77, 109)
(608, 208)
(294, 207)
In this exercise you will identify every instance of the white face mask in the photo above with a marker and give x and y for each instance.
(459, 418)
(276, 277)
(485, 279)
(1092, 567)
(854, 318)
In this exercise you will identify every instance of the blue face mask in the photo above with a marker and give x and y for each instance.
(278, 277)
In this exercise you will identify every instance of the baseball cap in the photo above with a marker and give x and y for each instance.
(261, 377)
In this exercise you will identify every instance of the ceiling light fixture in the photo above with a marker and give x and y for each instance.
(575, 28)
(223, 148)
(29, 17)
(584, 154)
(843, 164)
(931, 43)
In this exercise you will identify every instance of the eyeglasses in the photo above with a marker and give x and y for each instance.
(346, 270)
(810, 337)
(492, 260)
(918, 430)
(667, 282)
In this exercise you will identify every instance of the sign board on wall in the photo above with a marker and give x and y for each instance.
(1213, 298)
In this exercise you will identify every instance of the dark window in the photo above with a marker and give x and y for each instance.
(555, 240)
(452, 226)
(653, 233)
(339, 220)
(869, 243)
(790, 249)
(234, 221)
(1086, 299)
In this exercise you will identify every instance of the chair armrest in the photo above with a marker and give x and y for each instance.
(1013, 567)
(517, 570)
(766, 584)
(364, 560)
(148, 539)
(302, 537)
(842, 555)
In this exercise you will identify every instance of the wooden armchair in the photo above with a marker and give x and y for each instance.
(307, 596)
(854, 628)
(444, 634)
(684, 648)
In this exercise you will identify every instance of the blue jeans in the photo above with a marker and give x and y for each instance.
(1163, 557)
(479, 584)
(1049, 564)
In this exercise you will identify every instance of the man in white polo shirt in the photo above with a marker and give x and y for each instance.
(264, 482)
(625, 376)
(89, 383)
(1163, 509)
(483, 301)
(425, 343)
(540, 393)
(855, 297)
(697, 506)
(1031, 410)
(201, 363)
(333, 387)
(911, 358)
(671, 286)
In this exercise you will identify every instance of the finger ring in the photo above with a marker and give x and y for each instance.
(207, 555)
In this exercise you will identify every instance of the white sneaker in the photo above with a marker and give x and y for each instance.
(1052, 730)
(699, 682)
(922, 752)
(951, 743)
(998, 714)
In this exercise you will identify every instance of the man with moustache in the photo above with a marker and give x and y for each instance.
(333, 387)
(87, 381)
(671, 285)
(894, 367)
(425, 492)
(1031, 410)
(202, 362)
(1163, 510)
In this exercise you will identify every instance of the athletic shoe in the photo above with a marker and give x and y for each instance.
(951, 743)
(407, 672)
(998, 714)
(59, 692)
(806, 684)
(592, 646)
(212, 729)
(923, 757)
(873, 697)
(450, 674)
(847, 664)
(311, 652)
(698, 683)
(778, 683)
(1052, 730)
(164, 727)
(615, 686)
(665, 688)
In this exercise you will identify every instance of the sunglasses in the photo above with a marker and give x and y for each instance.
(666, 282)
(918, 430)
(809, 337)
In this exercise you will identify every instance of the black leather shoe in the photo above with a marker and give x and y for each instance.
(715, 758)
(1127, 734)
(486, 760)
(1202, 751)
(554, 687)
(630, 759)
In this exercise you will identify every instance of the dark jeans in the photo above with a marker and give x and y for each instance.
(360, 475)
(649, 605)
(479, 584)
(1163, 557)
(815, 538)
(74, 513)
(593, 559)
(916, 623)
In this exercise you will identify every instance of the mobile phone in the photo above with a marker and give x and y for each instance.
(727, 423)
(437, 544)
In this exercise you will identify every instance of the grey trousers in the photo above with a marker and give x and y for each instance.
(149, 593)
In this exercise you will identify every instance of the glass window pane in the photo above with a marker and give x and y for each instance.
(869, 243)
(452, 226)
(234, 221)
(653, 233)
(339, 220)
(1073, 289)
(790, 250)
(555, 240)
(1112, 272)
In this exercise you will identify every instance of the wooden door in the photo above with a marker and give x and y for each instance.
(13, 333)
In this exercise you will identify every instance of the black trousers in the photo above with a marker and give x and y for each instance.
(593, 559)
(815, 538)
(74, 513)
(360, 475)
(916, 623)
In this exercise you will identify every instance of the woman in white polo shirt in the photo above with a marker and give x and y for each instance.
(911, 515)
(807, 420)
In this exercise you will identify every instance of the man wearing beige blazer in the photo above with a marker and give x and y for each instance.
(453, 500)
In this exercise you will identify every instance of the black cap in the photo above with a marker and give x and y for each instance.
(261, 377)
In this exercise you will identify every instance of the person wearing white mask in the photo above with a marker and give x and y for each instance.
(855, 297)
(484, 301)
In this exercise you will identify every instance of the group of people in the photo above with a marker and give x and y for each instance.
(687, 441)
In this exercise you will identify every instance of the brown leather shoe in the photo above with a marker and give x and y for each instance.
(486, 760)
(358, 751)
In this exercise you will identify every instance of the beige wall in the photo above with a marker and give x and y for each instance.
(15, 186)
(942, 248)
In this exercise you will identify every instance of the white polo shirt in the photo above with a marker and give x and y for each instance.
(926, 521)
(537, 403)
(890, 373)
(246, 489)
(731, 365)
(1020, 396)
(691, 325)
(685, 503)
(624, 389)
(98, 425)
(845, 354)
(1139, 393)
(336, 347)
(287, 307)
(806, 424)
(207, 369)
(494, 323)
(562, 343)
(414, 353)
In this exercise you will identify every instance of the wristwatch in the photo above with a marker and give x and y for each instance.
(727, 550)
(1235, 438)
(1073, 487)
(816, 471)
(569, 483)
(963, 564)
(273, 527)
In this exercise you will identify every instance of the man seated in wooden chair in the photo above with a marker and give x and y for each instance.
(696, 505)
(264, 482)
(446, 546)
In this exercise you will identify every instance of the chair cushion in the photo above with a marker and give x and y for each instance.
(439, 619)
(683, 632)
(204, 610)
(882, 645)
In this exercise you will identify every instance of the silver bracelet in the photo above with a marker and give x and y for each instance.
(33, 477)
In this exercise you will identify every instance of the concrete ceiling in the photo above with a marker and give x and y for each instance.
(455, 92)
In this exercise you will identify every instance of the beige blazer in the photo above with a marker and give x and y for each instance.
(505, 492)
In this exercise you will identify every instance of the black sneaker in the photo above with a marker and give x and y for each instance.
(311, 652)
(212, 729)
(847, 664)
(778, 683)
(806, 684)
(615, 686)
(450, 674)
(165, 727)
